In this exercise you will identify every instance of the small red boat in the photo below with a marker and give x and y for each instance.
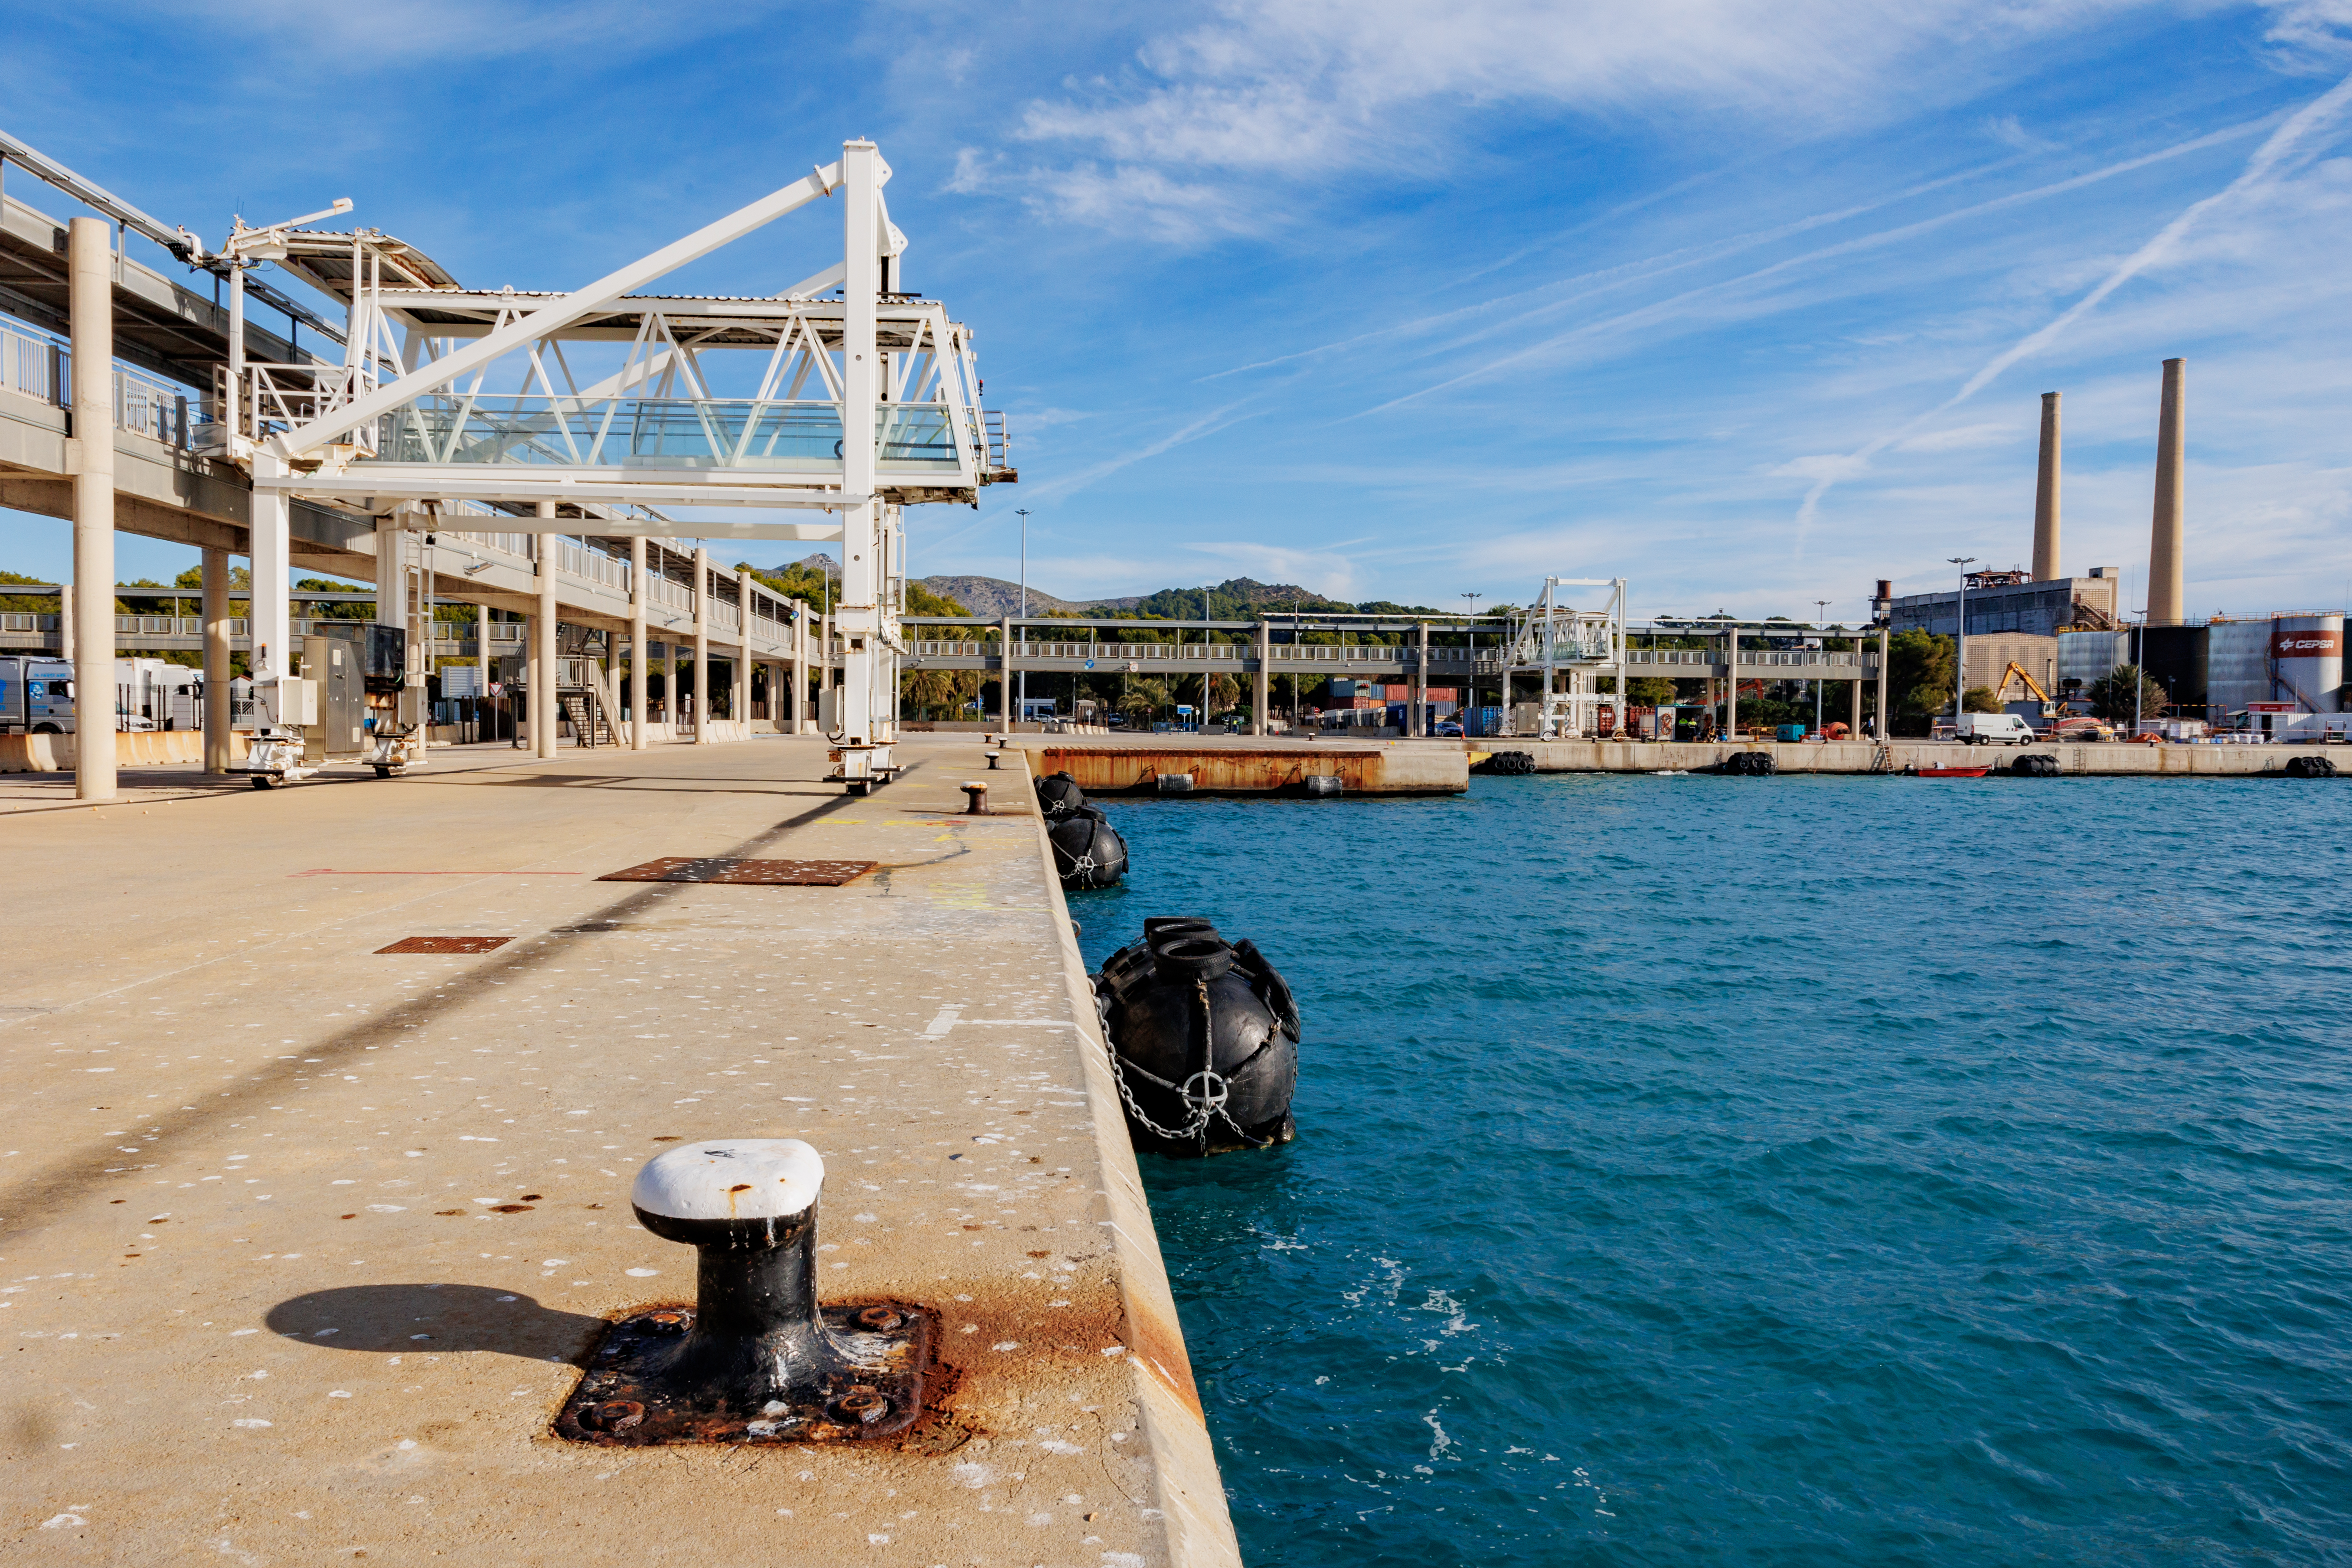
(1948, 772)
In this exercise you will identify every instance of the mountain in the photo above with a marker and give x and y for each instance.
(994, 596)
(1235, 599)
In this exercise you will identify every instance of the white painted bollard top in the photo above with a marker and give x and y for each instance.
(731, 1178)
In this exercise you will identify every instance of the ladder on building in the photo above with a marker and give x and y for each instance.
(589, 726)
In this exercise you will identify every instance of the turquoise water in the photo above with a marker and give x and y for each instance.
(1781, 1171)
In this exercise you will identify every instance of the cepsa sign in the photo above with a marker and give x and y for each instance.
(2305, 644)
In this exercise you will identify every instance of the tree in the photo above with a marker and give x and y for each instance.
(1648, 690)
(1980, 699)
(1920, 669)
(1224, 693)
(933, 693)
(2111, 695)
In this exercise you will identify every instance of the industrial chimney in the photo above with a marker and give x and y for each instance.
(2045, 496)
(2166, 592)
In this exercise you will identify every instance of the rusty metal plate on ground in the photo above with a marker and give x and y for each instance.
(620, 1403)
(446, 944)
(760, 873)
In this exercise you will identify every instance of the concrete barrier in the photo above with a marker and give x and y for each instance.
(133, 749)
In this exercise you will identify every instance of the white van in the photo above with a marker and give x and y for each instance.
(1987, 729)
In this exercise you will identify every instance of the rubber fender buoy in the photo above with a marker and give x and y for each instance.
(1088, 850)
(2310, 767)
(2036, 765)
(1205, 1040)
(1750, 765)
(1509, 763)
(1059, 796)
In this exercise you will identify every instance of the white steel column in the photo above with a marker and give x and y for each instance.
(1731, 690)
(867, 719)
(701, 646)
(543, 679)
(1004, 673)
(92, 459)
(1885, 731)
(216, 661)
(1262, 683)
(1420, 679)
(637, 659)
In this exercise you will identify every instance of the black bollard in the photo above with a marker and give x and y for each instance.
(757, 1358)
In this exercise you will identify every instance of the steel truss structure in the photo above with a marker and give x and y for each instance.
(1570, 649)
(840, 398)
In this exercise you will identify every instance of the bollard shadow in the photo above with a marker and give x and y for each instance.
(393, 1319)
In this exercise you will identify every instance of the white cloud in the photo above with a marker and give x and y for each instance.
(1298, 88)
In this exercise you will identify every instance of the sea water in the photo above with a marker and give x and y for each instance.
(1804, 1171)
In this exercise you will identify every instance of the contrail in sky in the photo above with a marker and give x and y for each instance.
(2266, 159)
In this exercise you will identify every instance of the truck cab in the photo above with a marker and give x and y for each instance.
(36, 696)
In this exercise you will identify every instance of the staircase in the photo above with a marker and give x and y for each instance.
(589, 727)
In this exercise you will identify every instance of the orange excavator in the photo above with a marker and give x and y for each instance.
(2016, 672)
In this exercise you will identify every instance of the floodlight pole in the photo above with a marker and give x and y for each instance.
(1022, 687)
(1961, 645)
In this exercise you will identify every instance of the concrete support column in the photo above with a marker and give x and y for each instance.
(2168, 593)
(1004, 684)
(483, 666)
(800, 669)
(1262, 683)
(639, 660)
(91, 457)
(543, 677)
(216, 661)
(2045, 496)
(701, 648)
(743, 663)
(1419, 712)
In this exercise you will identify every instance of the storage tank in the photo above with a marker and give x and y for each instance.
(2308, 660)
(2238, 663)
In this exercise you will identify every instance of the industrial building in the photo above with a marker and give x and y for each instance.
(2257, 673)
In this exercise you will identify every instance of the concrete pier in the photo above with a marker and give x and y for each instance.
(301, 1242)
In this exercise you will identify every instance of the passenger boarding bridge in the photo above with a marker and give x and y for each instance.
(506, 448)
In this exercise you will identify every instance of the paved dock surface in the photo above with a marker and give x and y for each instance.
(300, 1243)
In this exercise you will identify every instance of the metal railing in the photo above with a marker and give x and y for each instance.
(591, 565)
(40, 367)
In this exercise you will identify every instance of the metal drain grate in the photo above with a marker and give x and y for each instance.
(446, 944)
(760, 873)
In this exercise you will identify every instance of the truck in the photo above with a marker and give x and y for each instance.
(35, 696)
(1988, 729)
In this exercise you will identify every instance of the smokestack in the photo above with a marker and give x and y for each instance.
(2045, 496)
(2166, 592)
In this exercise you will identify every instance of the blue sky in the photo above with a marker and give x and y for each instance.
(1750, 303)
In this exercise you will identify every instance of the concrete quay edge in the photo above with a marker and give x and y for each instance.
(213, 1373)
(2075, 758)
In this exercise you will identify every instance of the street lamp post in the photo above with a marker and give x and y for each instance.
(1961, 645)
(1021, 689)
(1820, 607)
(1473, 639)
